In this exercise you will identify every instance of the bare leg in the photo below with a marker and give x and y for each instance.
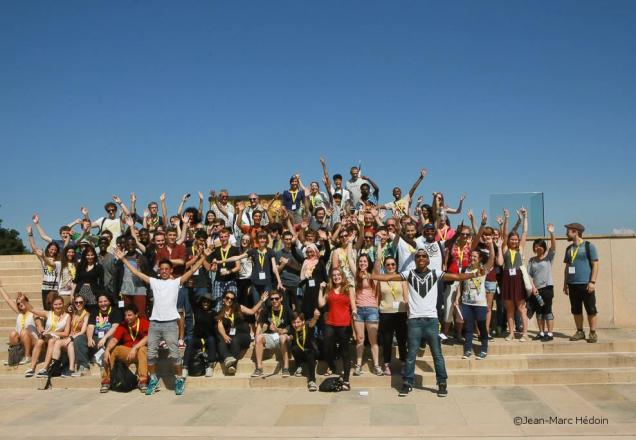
(36, 353)
(70, 349)
(521, 307)
(14, 339)
(284, 351)
(49, 352)
(591, 319)
(578, 320)
(259, 347)
(489, 300)
(359, 326)
(27, 342)
(372, 329)
(510, 316)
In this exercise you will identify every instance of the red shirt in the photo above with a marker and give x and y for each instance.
(458, 256)
(339, 309)
(129, 336)
(252, 231)
(178, 253)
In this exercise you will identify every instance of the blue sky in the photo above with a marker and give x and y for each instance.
(102, 98)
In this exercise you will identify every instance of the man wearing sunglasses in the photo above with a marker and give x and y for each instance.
(272, 332)
(222, 208)
(422, 315)
(254, 205)
(111, 222)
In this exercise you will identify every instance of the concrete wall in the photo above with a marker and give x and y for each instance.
(615, 285)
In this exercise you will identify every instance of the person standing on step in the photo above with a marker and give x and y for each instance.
(581, 271)
(540, 269)
(164, 318)
(422, 315)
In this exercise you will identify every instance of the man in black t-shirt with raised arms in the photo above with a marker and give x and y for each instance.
(226, 273)
(272, 332)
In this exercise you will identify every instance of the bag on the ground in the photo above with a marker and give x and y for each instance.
(122, 379)
(331, 385)
(198, 364)
(16, 354)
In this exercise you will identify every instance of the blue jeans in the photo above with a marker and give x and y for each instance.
(184, 306)
(427, 329)
(474, 314)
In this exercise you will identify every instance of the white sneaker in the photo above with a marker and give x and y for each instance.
(208, 372)
(443, 337)
(185, 372)
(25, 360)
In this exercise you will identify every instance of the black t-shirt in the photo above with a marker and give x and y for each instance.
(218, 256)
(239, 324)
(200, 278)
(282, 318)
(105, 322)
(262, 265)
(308, 336)
(204, 323)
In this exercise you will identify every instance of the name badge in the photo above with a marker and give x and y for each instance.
(232, 331)
(197, 272)
(120, 304)
(396, 305)
(293, 208)
(571, 270)
(224, 271)
(311, 283)
(512, 272)
(100, 335)
(261, 275)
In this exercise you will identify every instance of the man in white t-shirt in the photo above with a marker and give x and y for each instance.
(111, 223)
(400, 206)
(422, 311)
(165, 317)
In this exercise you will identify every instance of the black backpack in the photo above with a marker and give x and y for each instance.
(331, 385)
(198, 364)
(16, 353)
(122, 379)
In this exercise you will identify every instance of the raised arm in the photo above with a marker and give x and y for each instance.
(121, 204)
(38, 226)
(457, 210)
(200, 205)
(133, 205)
(504, 229)
(480, 232)
(184, 198)
(186, 276)
(254, 310)
(322, 300)
(385, 276)
(552, 238)
(376, 188)
(423, 173)
(12, 304)
(524, 230)
(142, 276)
(164, 209)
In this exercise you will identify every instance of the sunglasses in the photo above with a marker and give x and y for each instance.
(275, 298)
(253, 198)
(229, 298)
(79, 302)
(368, 238)
(389, 264)
(463, 234)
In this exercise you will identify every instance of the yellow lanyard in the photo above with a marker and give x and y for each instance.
(130, 330)
(23, 320)
(280, 316)
(231, 319)
(101, 317)
(153, 222)
(573, 254)
(294, 194)
(513, 256)
(261, 259)
(393, 290)
(77, 327)
(225, 254)
(302, 346)
(72, 270)
(54, 320)
(313, 200)
(443, 237)
(476, 283)
(460, 256)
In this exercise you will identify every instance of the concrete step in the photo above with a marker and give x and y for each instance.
(20, 279)
(469, 378)
(20, 258)
(27, 288)
(20, 265)
(25, 271)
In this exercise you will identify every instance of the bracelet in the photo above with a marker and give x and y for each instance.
(593, 282)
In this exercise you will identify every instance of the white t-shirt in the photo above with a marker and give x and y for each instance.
(114, 226)
(474, 290)
(166, 294)
(346, 195)
(434, 252)
(406, 255)
(399, 207)
(354, 189)
(422, 292)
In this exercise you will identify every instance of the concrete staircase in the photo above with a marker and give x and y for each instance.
(611, 360)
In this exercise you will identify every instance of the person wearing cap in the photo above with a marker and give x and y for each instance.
(422, 315)
(581, 270)
(204, 333)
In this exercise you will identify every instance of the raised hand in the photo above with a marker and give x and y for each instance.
(200, 195)
(506, 212)
(29, 229)
(84, 211)
(499, 220)
(162, 197)
(116, 199)
(420, 200)
(550, 228)
(130, 222)
(470, 215)
(36, 219)
(119, 254)
(423, 172)
(185, 197)
(322, 160)
(146, 213)
(523, 212)
(133, 197)
(316, 313)
(484, 216)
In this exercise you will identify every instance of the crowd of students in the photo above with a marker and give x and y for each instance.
(312, 274)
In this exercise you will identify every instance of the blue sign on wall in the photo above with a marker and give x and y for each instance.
(533, 202)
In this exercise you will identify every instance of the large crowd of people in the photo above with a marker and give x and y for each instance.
(311, 274)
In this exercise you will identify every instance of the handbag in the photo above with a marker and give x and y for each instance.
(527, 281)
(122, 379)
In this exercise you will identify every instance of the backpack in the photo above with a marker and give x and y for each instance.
(587, 253)
(331, 385)
(198, 364)
(122, 379)
(16, 354)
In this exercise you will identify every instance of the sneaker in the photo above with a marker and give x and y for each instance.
(510, 338)
(467, 355)
(230, 360)
(357, 370)
(84, 371)
(579, 335)
(286, 372)
(523, 339)
(29, 373)
(65, 374)
(378, 371)
(405, 390)
(311, 386)
(184, 372)
(142, 387)
(547, 338)
(442, 390)
(491, 338)
(76, 374)
(387, 370)
(538, 337)
(208, 372)
(443, 337)
(231, 369)
(258, 372)
(104, 388)
(593, 337)
(298, 372)
(179, 385)
(153, 386)
(42, 373)
(481, 356)
(25, 360)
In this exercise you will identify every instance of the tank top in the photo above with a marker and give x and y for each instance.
(25, 321)
(365, 297)
(339, 309)
(55, 323)
(391, 292)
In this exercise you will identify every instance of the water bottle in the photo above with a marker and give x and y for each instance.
(540, 300)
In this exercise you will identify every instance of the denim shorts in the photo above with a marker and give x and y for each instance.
(367, 314)
(491, 286)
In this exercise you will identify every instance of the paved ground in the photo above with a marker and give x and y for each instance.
(283, 414)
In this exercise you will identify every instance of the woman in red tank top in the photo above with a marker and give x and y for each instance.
(338, 323)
